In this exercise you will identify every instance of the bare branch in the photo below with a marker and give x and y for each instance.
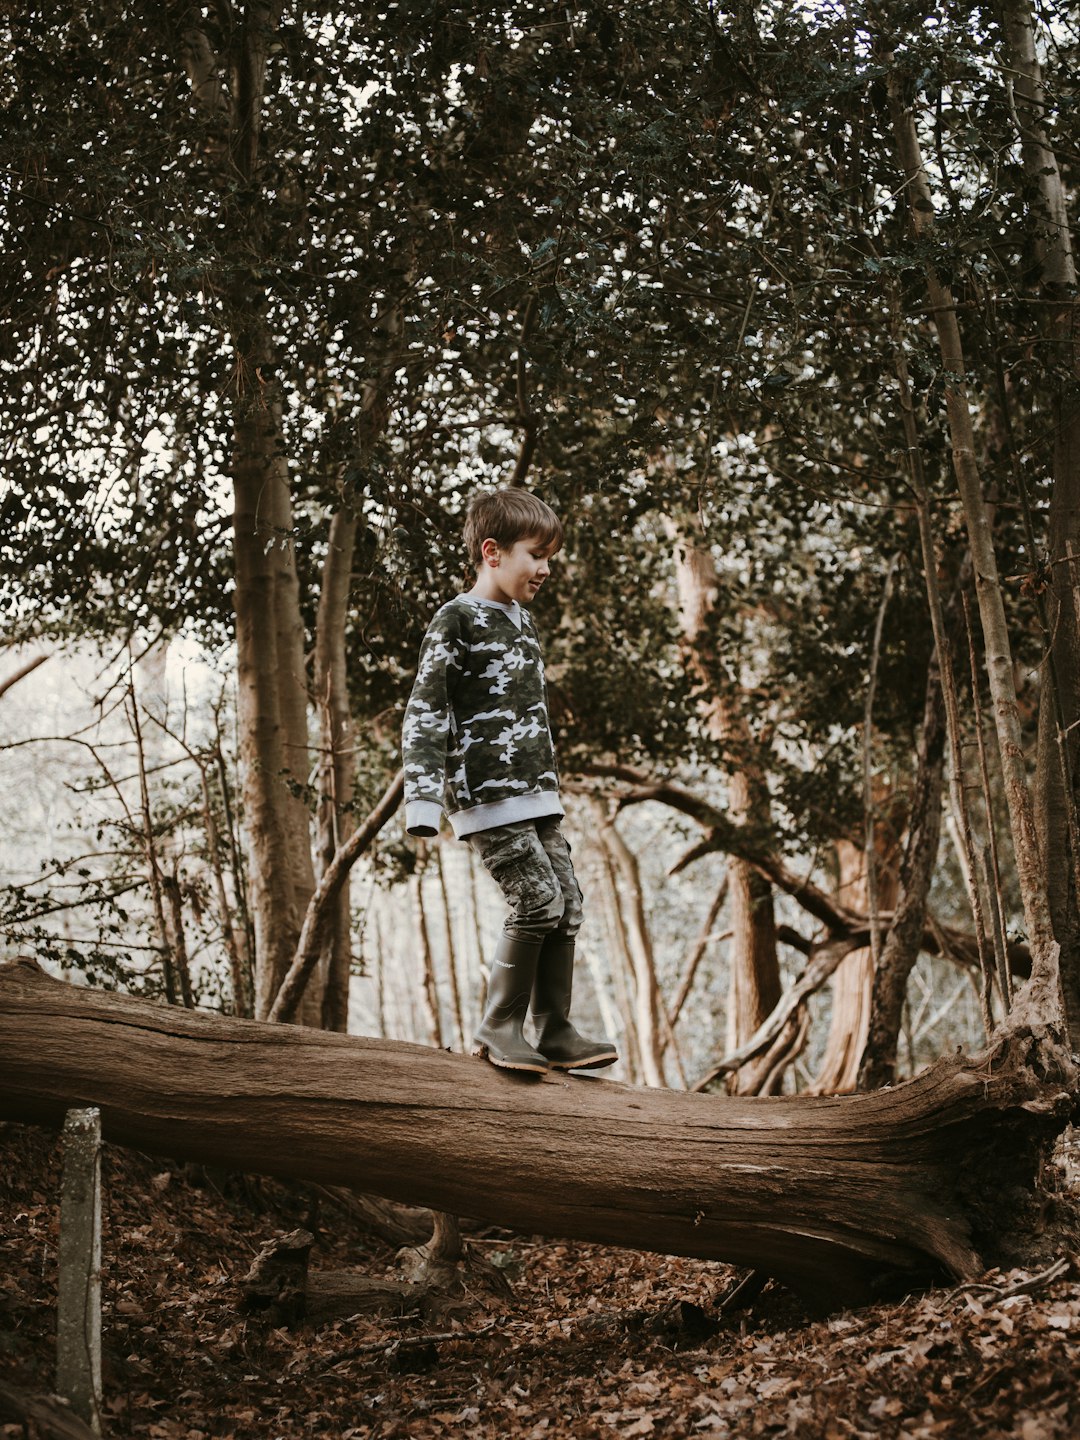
(837, 919)
(700, 946)
(320, 909)
(22, 672)
(823, 963)
(723, 835)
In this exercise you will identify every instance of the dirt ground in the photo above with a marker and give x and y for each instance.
(596, 1342)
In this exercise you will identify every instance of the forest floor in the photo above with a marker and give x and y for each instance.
(597, 1342)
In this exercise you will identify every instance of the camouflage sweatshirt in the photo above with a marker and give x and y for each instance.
(476, 740)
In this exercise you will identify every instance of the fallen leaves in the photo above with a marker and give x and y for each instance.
(602, 1344)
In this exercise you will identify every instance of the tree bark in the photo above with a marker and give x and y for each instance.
(337, 761)
(754, 987)
(849, 1022)
(755, 966)
(274, 902)
(877, 1064)
(451, 949)
(619, 965)
(998, 649)
(321, 910)
(235, 943)
(428, 988)
(293, 698)
(78, 1304)
(630, 907)
(1056, 791)
(839, 1197)
(229, 90)
(853, 983)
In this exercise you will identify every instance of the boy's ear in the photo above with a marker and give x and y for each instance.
(489, 549)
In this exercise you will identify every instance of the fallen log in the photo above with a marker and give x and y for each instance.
(840, 1197)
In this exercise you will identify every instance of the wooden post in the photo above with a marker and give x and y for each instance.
(78, 1328)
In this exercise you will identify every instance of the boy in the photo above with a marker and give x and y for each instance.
(477, 742)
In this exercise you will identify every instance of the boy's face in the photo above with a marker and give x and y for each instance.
(515, 573)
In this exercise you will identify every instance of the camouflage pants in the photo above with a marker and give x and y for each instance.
(530, 862)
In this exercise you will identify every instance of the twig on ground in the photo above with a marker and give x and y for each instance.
(1053, 1272)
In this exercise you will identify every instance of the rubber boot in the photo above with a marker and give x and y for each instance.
(556, 1038)
(500, 1036)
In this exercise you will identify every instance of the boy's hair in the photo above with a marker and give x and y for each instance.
(507, 516)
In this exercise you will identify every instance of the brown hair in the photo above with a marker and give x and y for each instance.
(507, 516)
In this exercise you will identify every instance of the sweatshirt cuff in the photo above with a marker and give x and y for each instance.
(422, 817)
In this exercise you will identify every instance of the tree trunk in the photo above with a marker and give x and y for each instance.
(275, 904)
(293, 699)
(428, 988)
(853, 985)
(235, 944)
(337, 767)
(754, 963)
(755, 966)
(337, 761)
(998, 649)
(941, 724)
(619, 965)
(849, 1021)
(229, 90)
(1056, 797)
(270, 657)
(630, 909)
(841, 1197)
(322, 907)
(853, 982)
(237, 867)
(877, 1065)
(451, 949)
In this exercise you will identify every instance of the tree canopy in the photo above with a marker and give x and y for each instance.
(657, 263)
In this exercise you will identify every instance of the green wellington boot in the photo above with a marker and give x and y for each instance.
(500, 1036)
(556, 1038)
